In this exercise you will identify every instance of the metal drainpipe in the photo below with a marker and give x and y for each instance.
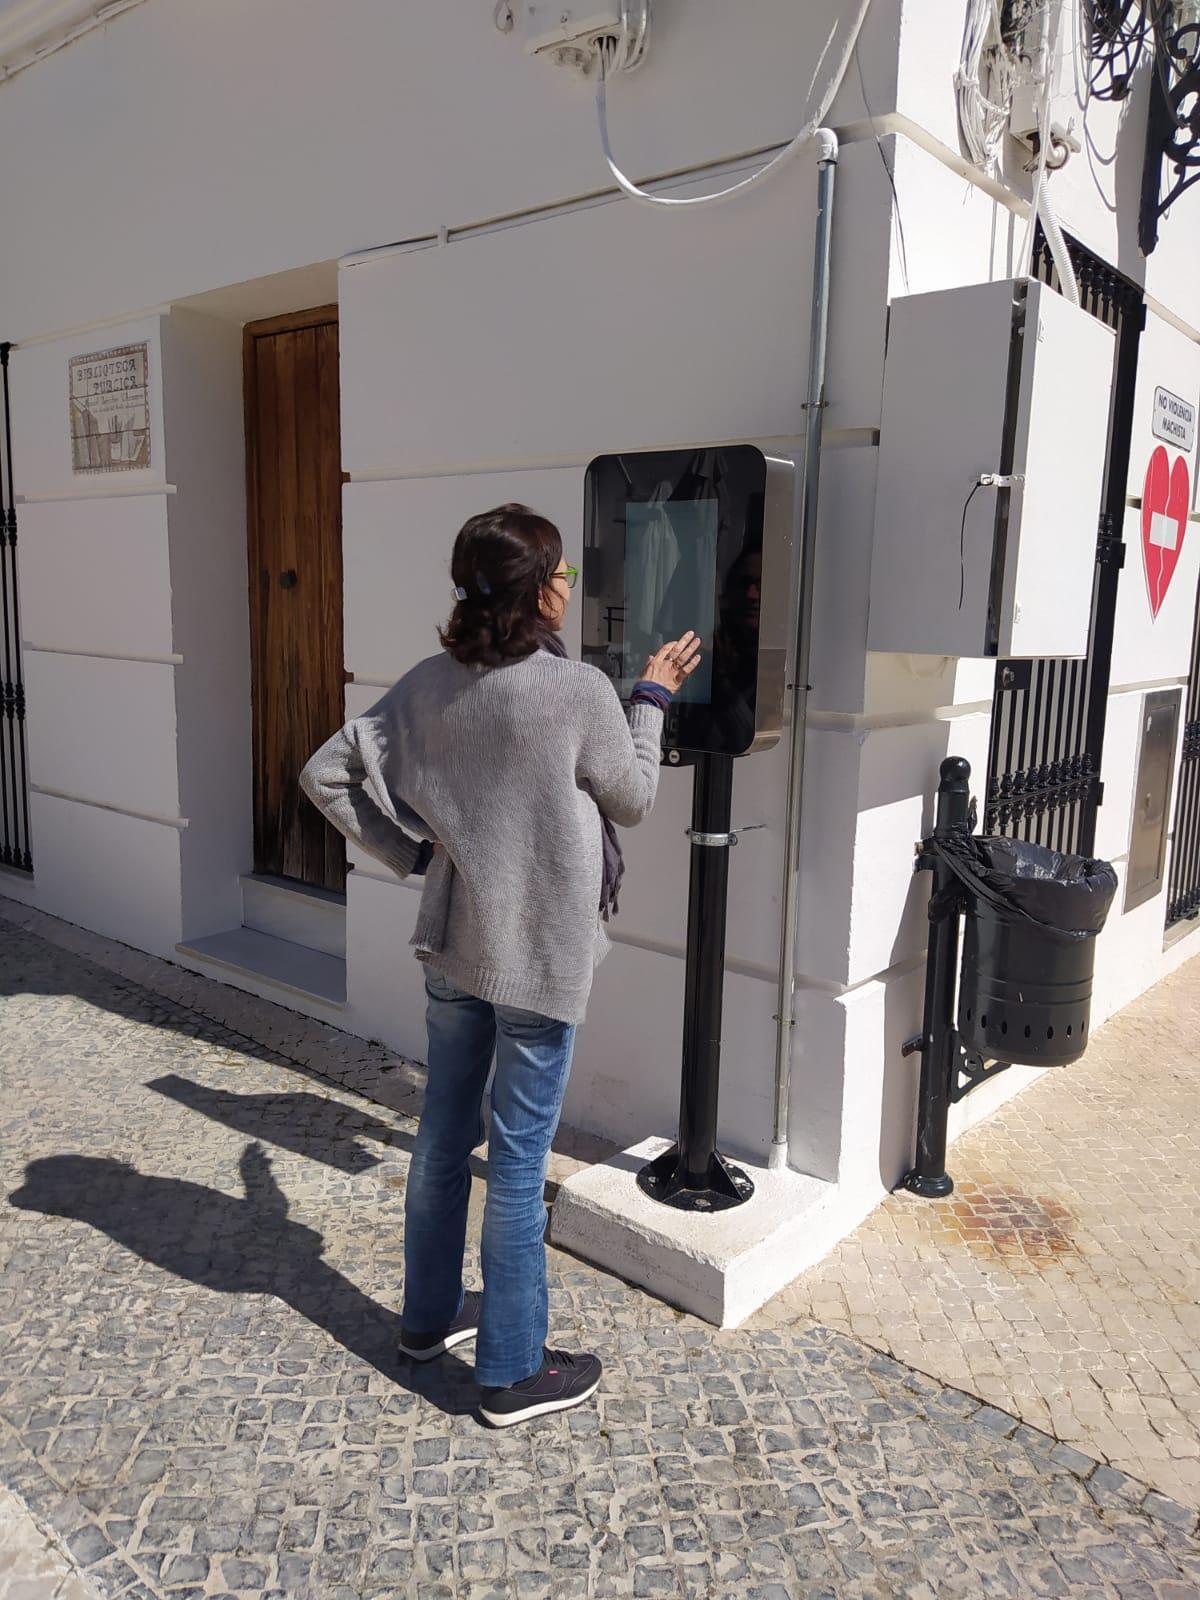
(827, 155)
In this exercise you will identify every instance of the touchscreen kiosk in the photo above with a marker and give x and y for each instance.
(697, 538)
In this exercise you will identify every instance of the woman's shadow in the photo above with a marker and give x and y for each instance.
(237, 1246)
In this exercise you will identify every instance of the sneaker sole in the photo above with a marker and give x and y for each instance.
(434, 1350)
(507, 1419)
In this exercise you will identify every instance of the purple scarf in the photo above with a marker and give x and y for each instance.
(614, 860)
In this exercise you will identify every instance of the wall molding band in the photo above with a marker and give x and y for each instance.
(96, 325)
(178, 823)
(1147, 683)
(116, 491)
(100, 655)
(874, 721)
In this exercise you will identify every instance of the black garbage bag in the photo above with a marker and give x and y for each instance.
(1064, 894)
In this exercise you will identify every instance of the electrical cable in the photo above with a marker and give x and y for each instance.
(962, 544)
(891, 178)
(983, 117)
(625, 50)
(644, 197)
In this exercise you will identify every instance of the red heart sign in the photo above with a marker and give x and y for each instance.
(1165, 497)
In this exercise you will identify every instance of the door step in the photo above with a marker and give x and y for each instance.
(261, 963)
(285, 909)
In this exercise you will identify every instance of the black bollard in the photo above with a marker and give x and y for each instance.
(693, 1174)
(939, 1039)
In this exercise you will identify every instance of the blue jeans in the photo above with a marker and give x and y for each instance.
(533, 1060)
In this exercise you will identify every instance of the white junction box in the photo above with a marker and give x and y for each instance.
(551, 25)
(994, 381)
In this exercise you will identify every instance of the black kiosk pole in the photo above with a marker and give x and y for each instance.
(693, 1174)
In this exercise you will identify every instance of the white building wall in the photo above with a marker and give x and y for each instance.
(954, 229)
(265, 142)
(99, 659)
(206, 520)
(493, 366)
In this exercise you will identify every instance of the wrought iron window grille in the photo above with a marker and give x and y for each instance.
(1183, 887)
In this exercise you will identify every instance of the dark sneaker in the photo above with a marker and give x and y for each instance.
(424, 1346)
(561, 1382)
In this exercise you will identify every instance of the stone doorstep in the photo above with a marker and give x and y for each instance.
(721, 1265)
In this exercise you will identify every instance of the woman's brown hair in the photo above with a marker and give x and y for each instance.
(502, 561)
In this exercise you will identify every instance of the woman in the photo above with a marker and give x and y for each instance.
(498, 768)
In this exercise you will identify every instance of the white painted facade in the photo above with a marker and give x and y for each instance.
(183, 169)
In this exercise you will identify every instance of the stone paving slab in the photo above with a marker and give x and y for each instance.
(33, 1563)
(1061, 1280)
(201, 1248)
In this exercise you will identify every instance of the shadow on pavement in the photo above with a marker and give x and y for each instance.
(237, 1246)
(309, 1125)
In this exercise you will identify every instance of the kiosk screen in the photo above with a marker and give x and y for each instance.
(674, 540)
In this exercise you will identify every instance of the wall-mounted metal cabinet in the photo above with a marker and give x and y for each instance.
(1152, 796)
(994, 378)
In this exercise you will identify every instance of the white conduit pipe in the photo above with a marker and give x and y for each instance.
(827, 155)
(1048, 59)
(1040, 206)
(1055, 238)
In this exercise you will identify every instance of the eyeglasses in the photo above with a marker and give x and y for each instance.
(569, 574)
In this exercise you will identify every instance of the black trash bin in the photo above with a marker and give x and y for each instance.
(1029, 947)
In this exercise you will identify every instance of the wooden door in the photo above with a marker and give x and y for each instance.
(294, 499)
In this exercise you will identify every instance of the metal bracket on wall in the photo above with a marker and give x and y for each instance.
(968, 1065)
(1110, 548)
(722, 840)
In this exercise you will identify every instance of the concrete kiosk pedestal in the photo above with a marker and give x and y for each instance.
(719, 1265)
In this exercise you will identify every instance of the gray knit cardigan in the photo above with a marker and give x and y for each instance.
(508, 769)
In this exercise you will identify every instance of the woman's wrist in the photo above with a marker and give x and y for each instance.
(648, 693)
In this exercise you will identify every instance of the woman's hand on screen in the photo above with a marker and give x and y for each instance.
(675, 662)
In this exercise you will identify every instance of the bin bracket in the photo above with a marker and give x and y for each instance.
(971, 1070)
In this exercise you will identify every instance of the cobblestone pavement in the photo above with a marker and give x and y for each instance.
(1061, 1280)
(201, 1248)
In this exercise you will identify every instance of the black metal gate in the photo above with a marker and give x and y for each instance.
(1183, 893)
(1048, 714)
(14, 785)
